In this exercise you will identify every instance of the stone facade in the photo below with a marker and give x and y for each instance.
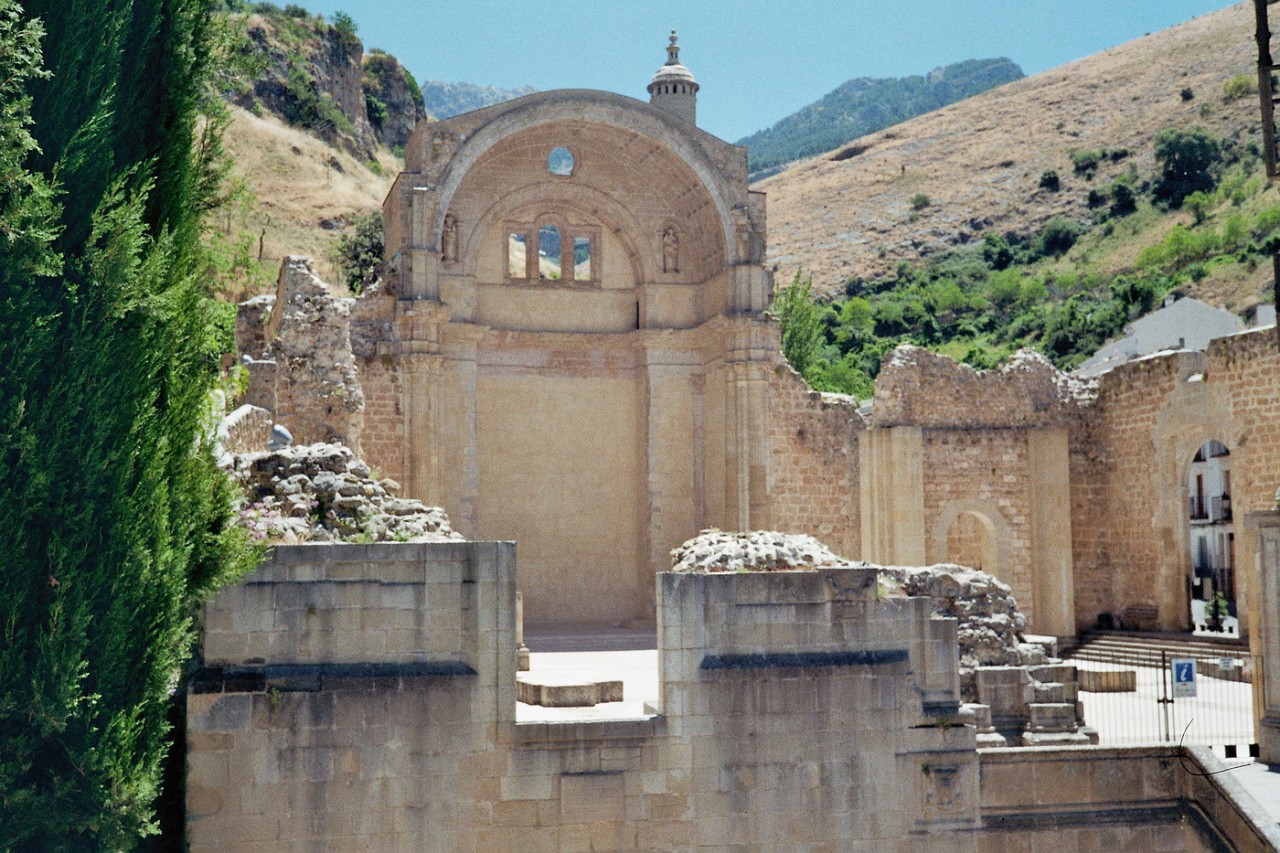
(570, 350)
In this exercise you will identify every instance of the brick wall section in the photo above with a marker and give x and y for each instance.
(983, 469)
(383, 436)
(1249, 365)
(813, 468)
(1130, 398)
(1093, 570)
(920, 388)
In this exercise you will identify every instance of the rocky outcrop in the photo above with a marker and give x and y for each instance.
(393, 99)
(322, 492)
(313, 74)
(752, 551)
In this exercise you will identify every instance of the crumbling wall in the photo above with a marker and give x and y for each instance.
(813, 462)
(301, 366)
(917, 387)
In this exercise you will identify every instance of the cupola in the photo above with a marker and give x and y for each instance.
(673, 88)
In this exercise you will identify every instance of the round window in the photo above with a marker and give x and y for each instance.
(560, 161)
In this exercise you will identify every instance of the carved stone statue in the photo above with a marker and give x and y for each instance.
(449, 242)
(670, 250)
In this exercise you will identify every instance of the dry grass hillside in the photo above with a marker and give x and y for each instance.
(301, 194)
(979, 162)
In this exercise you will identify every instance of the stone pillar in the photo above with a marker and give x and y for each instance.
(750, 349)
(676, 505)
(1265, 641)
(1052, 573)
(892, 496)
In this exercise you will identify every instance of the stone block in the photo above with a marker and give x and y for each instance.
(1108, 681)
(1052, 717)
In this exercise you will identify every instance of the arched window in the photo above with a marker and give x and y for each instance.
(549, 252)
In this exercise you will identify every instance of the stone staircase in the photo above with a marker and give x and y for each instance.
(1145, 649)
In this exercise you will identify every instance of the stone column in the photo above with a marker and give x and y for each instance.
(891, 461)
(1052, 573)
(748, 357)
(1264, 643)
(676, 505)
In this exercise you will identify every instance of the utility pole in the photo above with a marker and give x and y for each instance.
(1267, 100)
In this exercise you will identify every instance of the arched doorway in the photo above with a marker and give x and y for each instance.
(1211, 538)
(971, 541)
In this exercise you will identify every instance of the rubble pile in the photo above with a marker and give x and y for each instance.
(752, 551)
(990, 623)
(322, 492)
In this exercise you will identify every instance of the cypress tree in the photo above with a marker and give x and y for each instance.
(114, 520)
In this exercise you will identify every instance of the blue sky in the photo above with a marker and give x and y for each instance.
(756, 60)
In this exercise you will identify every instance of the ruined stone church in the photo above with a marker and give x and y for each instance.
(570, 349)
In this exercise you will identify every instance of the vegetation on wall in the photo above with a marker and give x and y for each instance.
(1058, 290)
(114, 520)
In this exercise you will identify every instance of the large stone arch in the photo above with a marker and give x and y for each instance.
(590, 106)
(1194, 413)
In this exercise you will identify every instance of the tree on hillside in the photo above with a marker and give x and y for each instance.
(114, 519)
(1188, 159)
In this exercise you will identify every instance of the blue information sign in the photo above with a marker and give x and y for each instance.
(1184, 677)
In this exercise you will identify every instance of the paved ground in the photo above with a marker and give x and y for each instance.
(594, 653)
(1220, 714)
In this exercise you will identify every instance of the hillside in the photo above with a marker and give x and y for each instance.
(865, 105)
(316, 122)
(975, 167)
(316, 75)
(445, 100)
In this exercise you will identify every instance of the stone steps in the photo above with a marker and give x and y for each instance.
(1125, 647)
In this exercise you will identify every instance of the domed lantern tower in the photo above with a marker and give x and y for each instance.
(673, 88)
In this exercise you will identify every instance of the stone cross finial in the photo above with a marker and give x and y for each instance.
(673, 50)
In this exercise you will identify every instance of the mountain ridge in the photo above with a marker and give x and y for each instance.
(863, 105)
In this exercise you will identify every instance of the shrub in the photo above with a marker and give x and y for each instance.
(1057, 238)
(1188, 160)
(1187, 94)
(345, 26)
(1239, 86)
(919, 201)
(801, 322)
(359, 253)
(1123, 199)
(1086, 162)
(1096, 198)
(1049, 180)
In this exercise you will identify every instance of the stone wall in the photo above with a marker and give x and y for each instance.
(979, 477)
(362, 697)
(1108, 798)
(813, 473)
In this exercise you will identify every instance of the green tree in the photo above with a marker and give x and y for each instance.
(801, 321)
(1188, 160)
(114, 519)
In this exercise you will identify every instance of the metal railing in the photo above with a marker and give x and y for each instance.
(1202, 698)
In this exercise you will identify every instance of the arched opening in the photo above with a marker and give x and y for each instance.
(971, 541)
(1211, 538)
